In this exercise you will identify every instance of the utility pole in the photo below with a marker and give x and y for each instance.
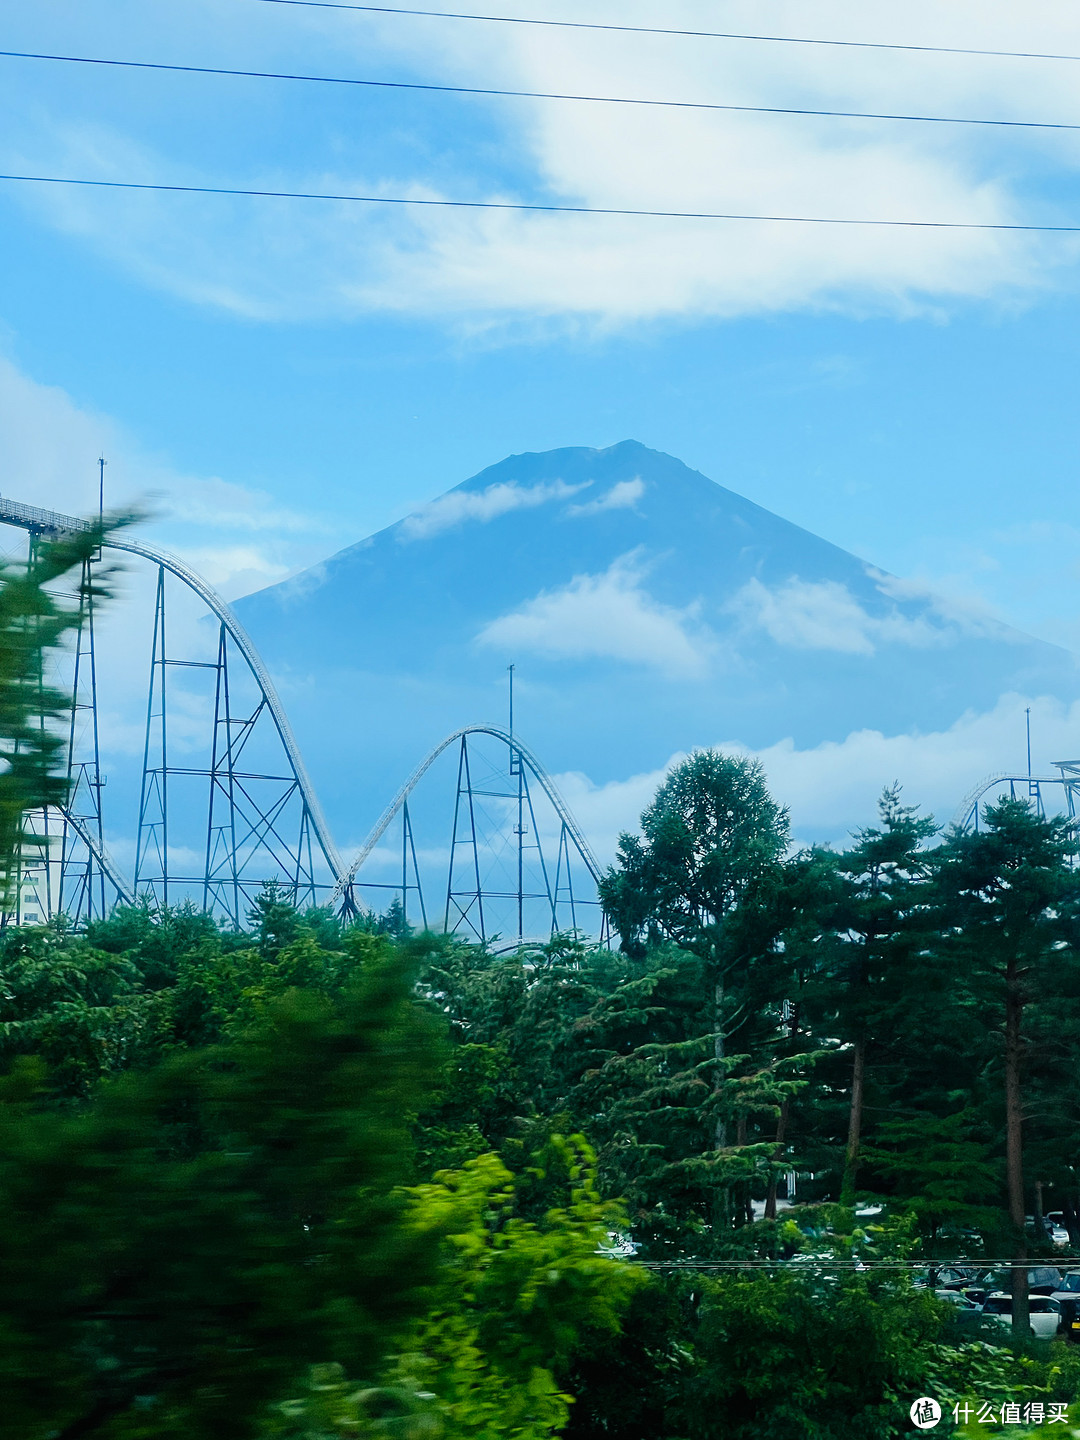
(510, 672)
(1027, 715)
(102, 462)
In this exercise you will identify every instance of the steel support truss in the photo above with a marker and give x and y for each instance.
(217, 818)
(259, 821)
(1064, 788)
(541, 865)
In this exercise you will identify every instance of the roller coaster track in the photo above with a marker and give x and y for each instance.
(1029, 787)
(516, 747)
(101, 855)
(50, 522)
(246, 646)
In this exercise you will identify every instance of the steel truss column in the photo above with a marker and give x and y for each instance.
(475, 898)
(221, 838)
(518, 770)
(82, 880)
(32, 895)
(152, 845)
(466, 904)
(408, 851)
(568, 884)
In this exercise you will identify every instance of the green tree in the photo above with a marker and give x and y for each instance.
(177, 1250)
(701, 873)
(514, 1301)
(1009, 905)
(35, 621)
(884, 875)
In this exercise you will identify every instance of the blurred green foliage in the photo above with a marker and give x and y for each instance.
(315, 1180)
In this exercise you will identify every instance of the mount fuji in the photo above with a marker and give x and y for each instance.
(646, 610)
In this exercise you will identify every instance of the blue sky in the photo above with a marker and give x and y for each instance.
(287, 377)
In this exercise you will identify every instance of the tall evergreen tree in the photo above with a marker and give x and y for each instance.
(1010, 905)
(884, 876)
(704, 875)
(703, 869)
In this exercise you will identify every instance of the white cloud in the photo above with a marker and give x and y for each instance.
(242, 567)
(283, 259)
(51, 448)
(967, 612)
(824, 615)
(610, 616)
(832, 789)
(622, 496)
(224, 506)
(458, 506)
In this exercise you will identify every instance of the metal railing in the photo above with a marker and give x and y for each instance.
(32, 517)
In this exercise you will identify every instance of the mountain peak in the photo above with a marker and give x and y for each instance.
(647, 608)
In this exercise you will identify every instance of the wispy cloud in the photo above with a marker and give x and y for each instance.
(279, 259)
(824, 615)
(609, 616)
(622, 496)
(51, 445)
(458, 506)
(833, 788)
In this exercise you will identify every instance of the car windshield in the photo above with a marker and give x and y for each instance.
(998, 1307)
(1070, 1282)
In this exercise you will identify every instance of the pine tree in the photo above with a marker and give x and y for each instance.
(1009, 901)
(884, 874)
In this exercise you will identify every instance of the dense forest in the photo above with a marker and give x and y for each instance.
(316, 1180)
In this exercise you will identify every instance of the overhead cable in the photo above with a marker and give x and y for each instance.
(664, 30)
(803, 1261)
(534, 94)
(543, 209)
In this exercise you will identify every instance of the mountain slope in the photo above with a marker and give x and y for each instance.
(647, 609)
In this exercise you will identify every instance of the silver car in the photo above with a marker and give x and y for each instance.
(1044, 1310)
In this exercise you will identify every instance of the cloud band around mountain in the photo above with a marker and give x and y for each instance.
(606, 616)
(458, 506)
(825, 615)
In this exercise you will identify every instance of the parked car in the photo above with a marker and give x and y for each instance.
(1068, 1287)
(1044, 1310)
(1070, 1316)
(1042, 1280)
(967, 1311)
(949, 1277)
(1055, 1227)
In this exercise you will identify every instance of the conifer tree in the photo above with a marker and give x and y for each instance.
(884, 873)
(1009, 902)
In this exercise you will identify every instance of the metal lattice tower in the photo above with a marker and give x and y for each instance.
(503, 861)
(85, 891)
(218, 814)
(224, 802)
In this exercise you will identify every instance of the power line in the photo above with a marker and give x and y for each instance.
(543, 209)
(693, 34)
(536, 94)
(802, 1261)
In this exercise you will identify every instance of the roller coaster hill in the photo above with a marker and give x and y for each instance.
(186, 785)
